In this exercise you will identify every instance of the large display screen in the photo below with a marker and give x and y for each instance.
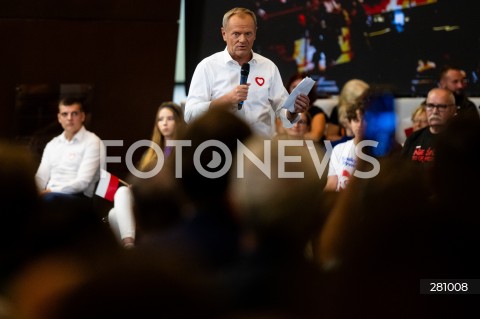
(397, 42)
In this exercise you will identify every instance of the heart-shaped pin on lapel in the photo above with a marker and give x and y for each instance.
(260, 81)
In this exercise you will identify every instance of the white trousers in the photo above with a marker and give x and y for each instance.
(120, 217)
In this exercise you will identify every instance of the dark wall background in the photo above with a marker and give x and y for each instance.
(124, 49)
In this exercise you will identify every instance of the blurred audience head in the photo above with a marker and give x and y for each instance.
(205, 164)
(20, 200)
(453, 79)
(270, 199)
(299, 129)
(349, 94)
(419, 117)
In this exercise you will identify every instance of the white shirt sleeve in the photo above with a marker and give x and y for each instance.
(43, 172)
(199, 94)
(333, 166)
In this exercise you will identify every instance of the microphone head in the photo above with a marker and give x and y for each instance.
(245, 69)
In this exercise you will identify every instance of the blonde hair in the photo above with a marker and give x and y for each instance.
(157, 138)
(240, 11)
(419, 110)
(350, 92)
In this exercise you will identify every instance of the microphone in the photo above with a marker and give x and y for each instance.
(243, 79)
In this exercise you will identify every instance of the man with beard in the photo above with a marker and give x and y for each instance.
(440, 107)
(455, 80)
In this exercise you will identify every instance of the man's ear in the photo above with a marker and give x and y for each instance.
(224, 34)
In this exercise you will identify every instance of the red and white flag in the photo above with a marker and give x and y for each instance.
(107, 185)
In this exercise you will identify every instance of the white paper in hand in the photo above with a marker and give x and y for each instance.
(303, 87)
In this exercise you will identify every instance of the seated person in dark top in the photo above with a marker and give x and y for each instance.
(455, 80)
(440, 107)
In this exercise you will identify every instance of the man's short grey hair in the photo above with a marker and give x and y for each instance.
(235, 11)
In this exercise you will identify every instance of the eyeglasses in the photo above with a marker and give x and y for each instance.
(440, 107)
(73, 114)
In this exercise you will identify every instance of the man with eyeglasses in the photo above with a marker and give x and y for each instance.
(70, 162)
(455, 80)
(440, 107)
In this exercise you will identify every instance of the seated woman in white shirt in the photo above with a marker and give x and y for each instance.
(168, 122)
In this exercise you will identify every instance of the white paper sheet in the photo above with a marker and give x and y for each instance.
(303, 87)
